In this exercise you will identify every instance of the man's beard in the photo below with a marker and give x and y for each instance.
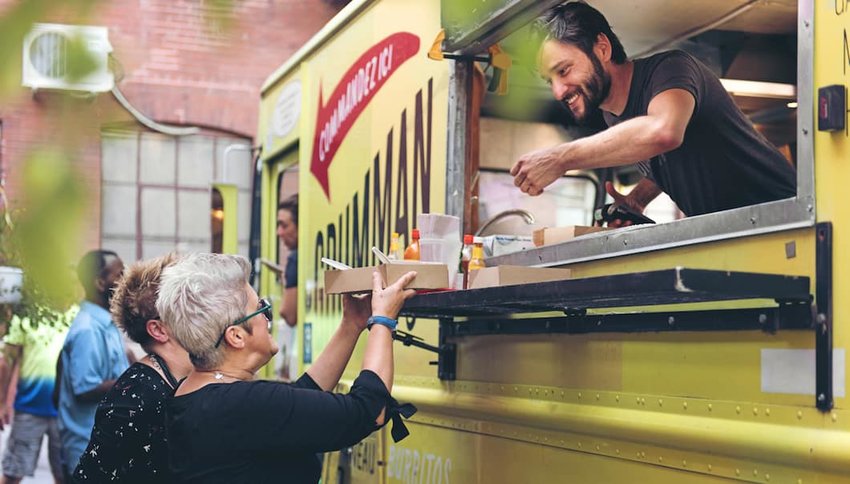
(594, 91)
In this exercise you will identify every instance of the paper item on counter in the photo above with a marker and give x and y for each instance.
(278, 270)
(556, 235)
(381, 256)
(495, 245)
(445, 228)
(335, 264)
(437, 226)
(359, 280)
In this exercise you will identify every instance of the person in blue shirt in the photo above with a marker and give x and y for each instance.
(93, 355)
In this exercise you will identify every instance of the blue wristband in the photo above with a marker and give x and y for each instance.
(383, 321)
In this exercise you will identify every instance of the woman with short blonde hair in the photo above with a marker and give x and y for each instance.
(226, 426)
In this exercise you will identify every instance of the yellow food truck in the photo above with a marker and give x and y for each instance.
(697, 349)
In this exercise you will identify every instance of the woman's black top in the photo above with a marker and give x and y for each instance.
(128, 442)
(264, 431)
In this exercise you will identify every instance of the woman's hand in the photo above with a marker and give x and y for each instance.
(388, 302)
(356, 310)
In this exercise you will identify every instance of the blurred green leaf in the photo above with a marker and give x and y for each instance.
(81, 62)
(458, 11)
(527, 92)
(219, 16)
(16, 21)
(14, 24)
(48, 234)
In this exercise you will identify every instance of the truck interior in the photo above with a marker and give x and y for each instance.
(760, 50)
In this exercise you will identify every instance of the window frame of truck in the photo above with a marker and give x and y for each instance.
(775, 216)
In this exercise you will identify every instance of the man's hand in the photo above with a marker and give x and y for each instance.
(8, 414)
(356, 310)
(620, 199)
(536, 170)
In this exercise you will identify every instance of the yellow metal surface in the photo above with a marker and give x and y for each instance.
(270, 286)
(389, 166)
(832, 151)
(280, 116)
(671, 407)
(773, 436)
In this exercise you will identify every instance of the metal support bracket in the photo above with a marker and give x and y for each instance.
(446, 352)
(447, 359)
(822, 323)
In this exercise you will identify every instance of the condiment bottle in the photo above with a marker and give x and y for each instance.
(477, 260)
(465, 256)
(395, 251)
(412, 251)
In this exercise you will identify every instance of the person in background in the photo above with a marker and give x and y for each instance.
(668, 113)
(128, 442)
(92, 357)
(287, 233)
(31, 350)
(224, 426)
(6, 314)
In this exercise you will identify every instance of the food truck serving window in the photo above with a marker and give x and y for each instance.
(750, 46)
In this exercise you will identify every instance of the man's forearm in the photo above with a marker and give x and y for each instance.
(643, 193)
(5, 379)
(624, 144)
(97, 393)
(11, 365)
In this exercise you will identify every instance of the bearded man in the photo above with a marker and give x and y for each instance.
(668, 113)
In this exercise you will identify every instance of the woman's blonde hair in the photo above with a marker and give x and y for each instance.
(199, 296)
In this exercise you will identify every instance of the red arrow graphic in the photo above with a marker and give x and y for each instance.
(355, 90)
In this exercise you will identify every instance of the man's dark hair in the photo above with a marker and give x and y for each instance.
(578, 24)
(91, 267)
(290, 205)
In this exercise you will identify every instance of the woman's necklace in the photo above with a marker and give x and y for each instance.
(159, 364)
(218, 375)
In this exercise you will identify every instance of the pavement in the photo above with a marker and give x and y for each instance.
(42, 470)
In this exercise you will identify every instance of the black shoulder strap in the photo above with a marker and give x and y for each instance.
(168, 376)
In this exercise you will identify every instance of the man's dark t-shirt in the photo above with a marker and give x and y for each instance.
(268, 432)
(290, 273)
(723, 162)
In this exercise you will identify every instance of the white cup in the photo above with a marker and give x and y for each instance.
(432, 250)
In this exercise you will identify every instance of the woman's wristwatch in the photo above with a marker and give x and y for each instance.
(383, 321)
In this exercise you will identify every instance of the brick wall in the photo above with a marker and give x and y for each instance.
(177, 66)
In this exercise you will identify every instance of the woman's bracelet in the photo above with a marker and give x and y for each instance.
(383, 321)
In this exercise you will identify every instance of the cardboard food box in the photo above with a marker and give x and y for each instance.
(555, 235)
(512, 275)
(428, 276)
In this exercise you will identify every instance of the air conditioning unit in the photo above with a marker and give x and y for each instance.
(47, 58)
